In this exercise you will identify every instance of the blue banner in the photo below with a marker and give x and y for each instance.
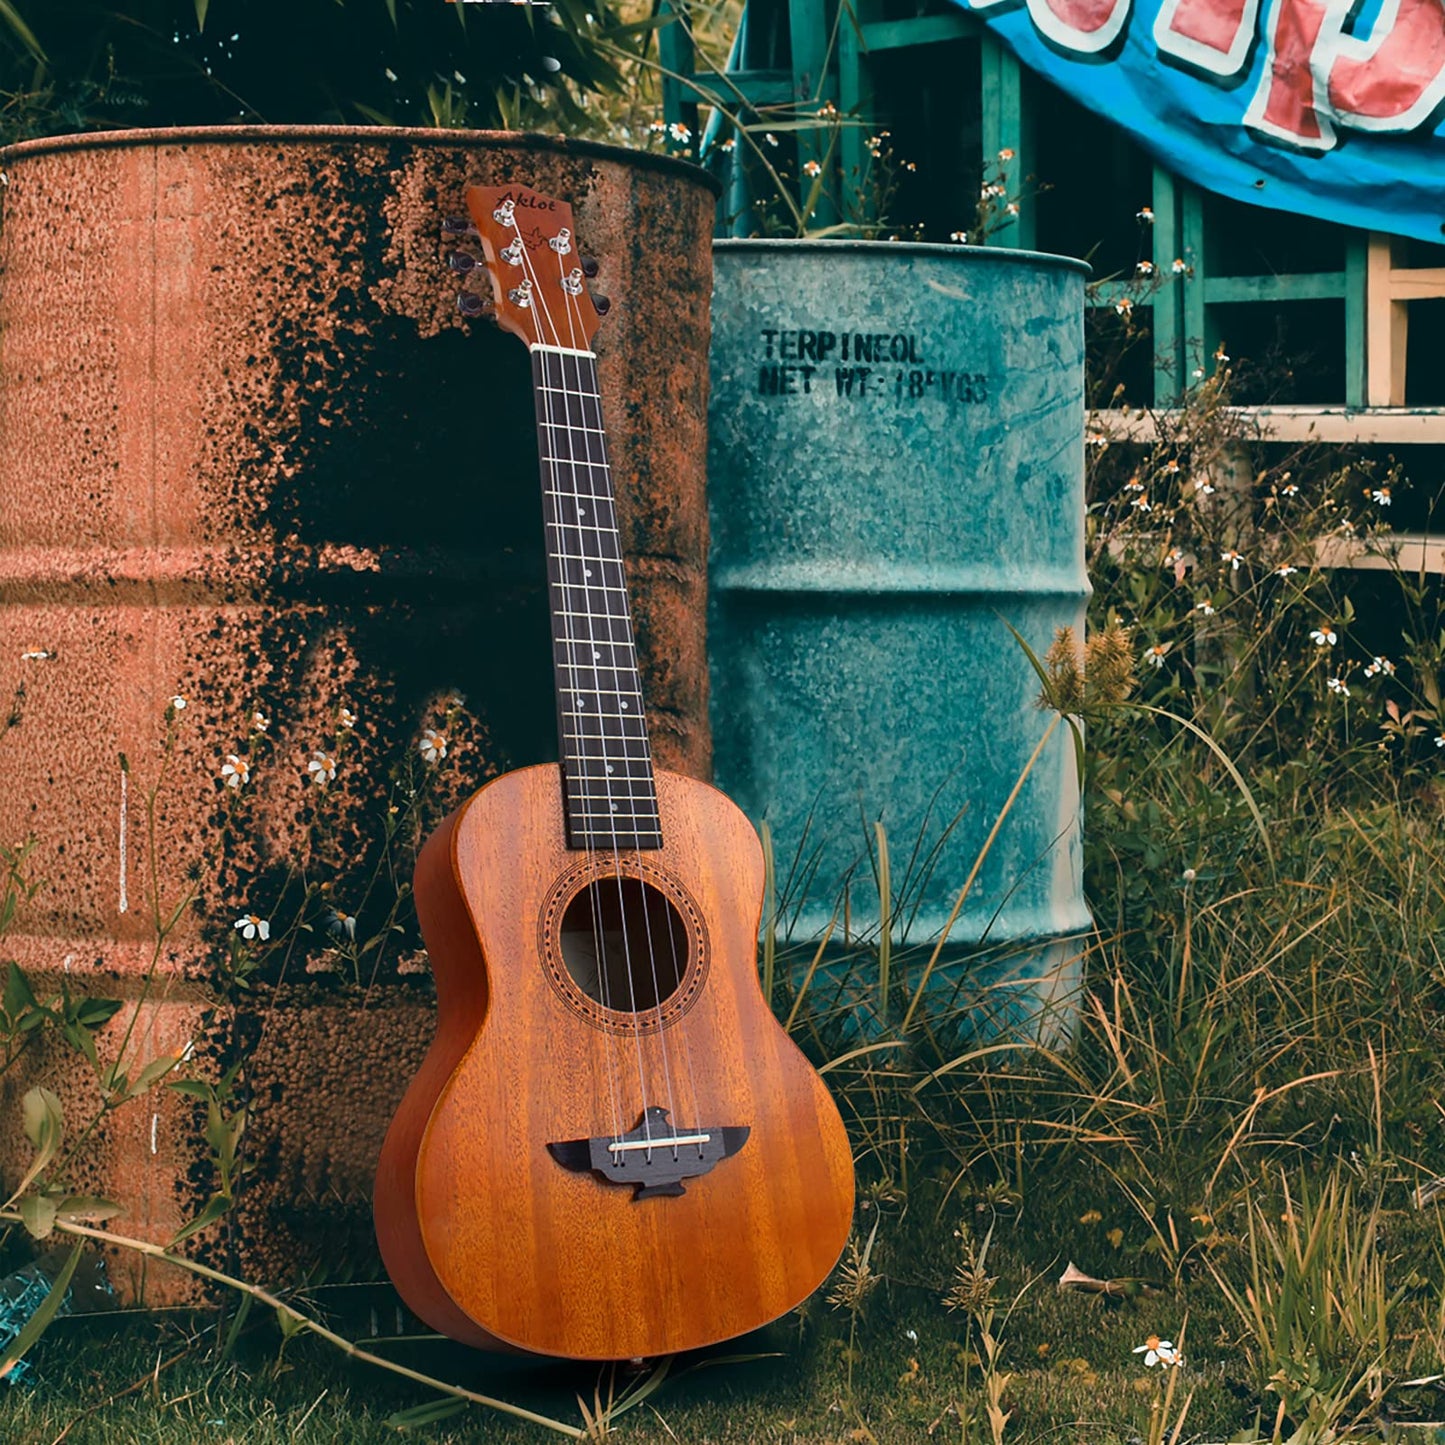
(1330, 108)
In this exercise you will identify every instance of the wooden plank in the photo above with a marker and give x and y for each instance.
(1419, 284)
(855, 100)
(1169, 302)
(1301, 286)
(1407, 552)
(808, 29)
(1195, 342)
(1419, 425)
(1004, 130)
(1356, 266)
(881, 35)
(1384, 360)
(675, 51)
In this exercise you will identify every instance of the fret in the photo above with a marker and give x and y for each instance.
(589, 463)
(587, 560)
(614, 769)
(596, 646)
(604, 748)
(570, 526)
(623, 788)
(616, 817)
(581, 584)
(607, 692)
(584, 735)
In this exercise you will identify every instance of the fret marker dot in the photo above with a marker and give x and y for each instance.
(595, 654)
(586, 571)
(624, 707)
(609, 767)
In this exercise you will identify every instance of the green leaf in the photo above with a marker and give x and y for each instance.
(201, 7)
(87, 1206)
(427, 1414)
(196, 1088)
(152, 1074)
(44, 1119)
(37, 1214)
(18, 996)
(40, 1320)
(216, 1206)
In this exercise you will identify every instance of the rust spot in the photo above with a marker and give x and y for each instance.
(254, 459)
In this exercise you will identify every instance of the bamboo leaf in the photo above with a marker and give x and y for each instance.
(216, 1206)
(37, 1213)
(201, 7)
(23, 32)
(428, 1414)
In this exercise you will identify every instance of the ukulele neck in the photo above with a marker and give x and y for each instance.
(609, 795)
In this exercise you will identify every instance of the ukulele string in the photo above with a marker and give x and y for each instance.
(572, 644)
(574, 320)
(577, 345)
(563, 347)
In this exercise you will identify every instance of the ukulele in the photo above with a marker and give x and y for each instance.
(612, 1149)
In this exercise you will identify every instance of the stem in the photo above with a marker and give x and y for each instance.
(157, 1251)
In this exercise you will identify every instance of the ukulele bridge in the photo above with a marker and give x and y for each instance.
(655, 1157)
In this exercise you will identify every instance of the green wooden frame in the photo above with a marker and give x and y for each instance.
(1183, 303)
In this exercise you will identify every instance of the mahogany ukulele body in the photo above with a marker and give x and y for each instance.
(612, 1149)
(486, 1234)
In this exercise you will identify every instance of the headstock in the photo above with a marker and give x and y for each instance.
(538, 279)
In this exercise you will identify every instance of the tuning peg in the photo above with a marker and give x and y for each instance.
(458, 226)
(472, 305)
(601, 305)
(589, 266)
(462, 261)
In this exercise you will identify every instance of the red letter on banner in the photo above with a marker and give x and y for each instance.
(1284, 105)
(1082, 25)
(1209, 35)
(1396, 78)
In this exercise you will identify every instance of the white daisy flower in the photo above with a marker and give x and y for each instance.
(1285, 571)
(432, 745)
(250, 925)
(1155, 655)
(36, 654)
(1337, 684)
(1159, 1352)
(322, 768)
(235, 771)
(178, 702)
(259, 721)
(1380, 666)
(346, 718)
(1232, 557)
(1323, 636)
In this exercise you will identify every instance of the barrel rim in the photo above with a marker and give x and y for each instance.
(422, 136)
(772, 246)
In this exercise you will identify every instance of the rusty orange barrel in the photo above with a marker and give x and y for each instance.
(266, 497)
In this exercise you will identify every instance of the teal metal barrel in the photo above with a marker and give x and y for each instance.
(896, 478)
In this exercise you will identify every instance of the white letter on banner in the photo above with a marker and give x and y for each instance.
(1209, 35)
(1285, 106)
(1394, 80)
(1086, 26)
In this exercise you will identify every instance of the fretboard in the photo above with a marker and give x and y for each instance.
(609, 795)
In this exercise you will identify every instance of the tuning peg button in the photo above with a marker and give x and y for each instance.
(470, 304)
(458, 226)
(462, 261)
(602, 305)
(589, 266)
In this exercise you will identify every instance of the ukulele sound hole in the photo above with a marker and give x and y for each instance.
(624, 944)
